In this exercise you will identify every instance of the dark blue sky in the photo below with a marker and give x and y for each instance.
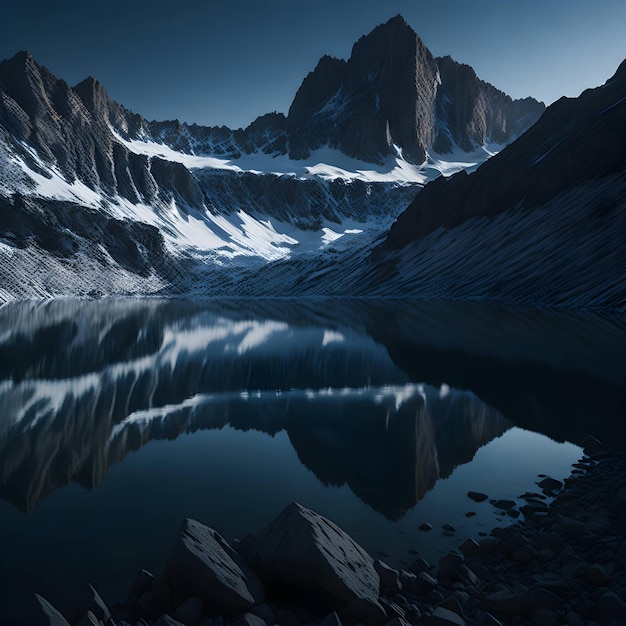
(228, 61)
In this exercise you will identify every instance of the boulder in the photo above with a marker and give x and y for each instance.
(89, 619)
(389, 577)
(90, 600)
(204, 565)
(304, 549)
(53, 616)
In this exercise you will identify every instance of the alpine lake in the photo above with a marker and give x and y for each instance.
(121, 417)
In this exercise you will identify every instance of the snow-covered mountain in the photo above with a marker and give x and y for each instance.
(95, 199)
(541, 223)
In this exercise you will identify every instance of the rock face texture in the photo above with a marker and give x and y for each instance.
(305, 549)
(393, 92)
(204, 565)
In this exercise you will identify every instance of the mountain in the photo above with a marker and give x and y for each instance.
(543, 222)
(392, 96)
(110, 202)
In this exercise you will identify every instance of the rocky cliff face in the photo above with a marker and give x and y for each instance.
(471, 112)
(393, 92)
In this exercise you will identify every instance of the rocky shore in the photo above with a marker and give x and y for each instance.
(559, 563)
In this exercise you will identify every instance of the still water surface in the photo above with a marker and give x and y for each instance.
(119, 418)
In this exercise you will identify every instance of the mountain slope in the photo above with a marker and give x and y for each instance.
(109, 202)
(542, 222)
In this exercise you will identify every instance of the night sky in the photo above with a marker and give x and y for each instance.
(228, 61)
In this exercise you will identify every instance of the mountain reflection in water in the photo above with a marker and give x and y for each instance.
(84, 383)
(355, 408)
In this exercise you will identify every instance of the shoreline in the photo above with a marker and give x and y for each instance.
(559, 563)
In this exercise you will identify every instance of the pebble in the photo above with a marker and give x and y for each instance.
(477, 496)
(426, 526)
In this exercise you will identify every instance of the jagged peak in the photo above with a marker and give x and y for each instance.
(92, 93)
(620, 73)
(22, 59)
(329, 61)
(448, 60)
(91, 83)
(397, 21)
(393, 37)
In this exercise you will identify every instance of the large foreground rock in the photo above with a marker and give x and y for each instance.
(305, 549)
(204, 565)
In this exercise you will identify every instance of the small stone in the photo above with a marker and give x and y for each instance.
(550, 484)
(573, 527)
(477, 496)
(509, 546)
(470, 547)
(445, 617)
(448, 528)
(470, 514)
(525, 554)
(597, 575)
(419, 565)
(544, 617)
(190, 611)
(426, 526)
(503, 504)
(551, 540)
(573, 619)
